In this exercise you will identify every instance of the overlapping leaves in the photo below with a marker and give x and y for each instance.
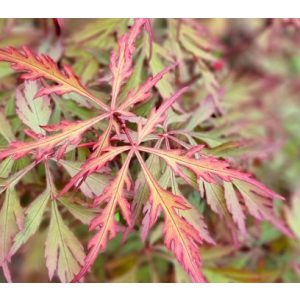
(124, 138)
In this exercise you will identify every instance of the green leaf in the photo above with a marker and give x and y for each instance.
(81, 213)
(201, 114)
(5, 129)
(11, 221)
(136, 77)
(5, 167)
(293, 214)
(96, 28)
(156, 65)
(12, 180)
(34, 112)
(142, 191)
(64, 253)
(33, 219)
(93, 184)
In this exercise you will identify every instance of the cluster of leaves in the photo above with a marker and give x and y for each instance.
(135, 137)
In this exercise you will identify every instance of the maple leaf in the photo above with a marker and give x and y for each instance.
(5, 129)
(92, 165)
(212, 171)
(99, 241)
(11, 216)
(64, 253)
(80, 212)
(104, 140)
(12, 180)
(93, 185)
(34, 112)
(37, 66)
(105, 223)
(71, 133)
(33, 218)
(141, 193)
(121, 62)
(193, 39)
(192, 215)
(11, 221)
(6, 167)
(180, 236)
(234, 206)
(228, 192)
(156, 116)
(143, 93)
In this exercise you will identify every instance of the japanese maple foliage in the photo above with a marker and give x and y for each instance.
(118, 143)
